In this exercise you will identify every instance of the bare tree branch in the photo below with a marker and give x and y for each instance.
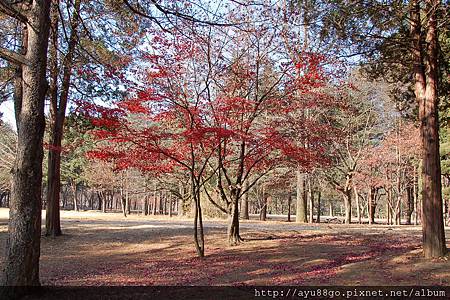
(13, 57)
(8, 9)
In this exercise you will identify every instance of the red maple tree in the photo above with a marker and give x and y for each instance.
(229, 124)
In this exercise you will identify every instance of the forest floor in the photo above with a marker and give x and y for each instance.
(108, 249)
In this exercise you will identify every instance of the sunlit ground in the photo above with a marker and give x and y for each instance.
(107, 249)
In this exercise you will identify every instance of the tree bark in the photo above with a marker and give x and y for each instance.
(233, 220)
(347, 196)
(410, 205)
(416, 207)
(289, 207)
(127, 201)
(358, 207)
(199, 238)
(75, 196)
(263, 212)
(180, 209)
(104, 202)
(311, 202)
(348, 207)
(245, 214)
(388, 213)
(21, 265)
(145, 205)
(52, 213)
(426, 80)
(57, 117)
(300, 215)
(371, 205)
(170, 205)
(318, 206)
(154, 200)
(123, 202)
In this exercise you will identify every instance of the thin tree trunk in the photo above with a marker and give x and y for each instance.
(263, 212)
(154, 200)
(318, 206)
(289, 207)
(358, 207)
(416, 213)
(300, 215)
(180, 209)
(199, 239)
(123, 202)
(245, 214)
(145, 205)
(410, 205)
(311, 202)
(75, 196)
(388, 213)
(99, 197)
(127, 202)
(371, 205)
(57, 116)
(52, 214)
(103, 193)
(170, 206)
(164, 203)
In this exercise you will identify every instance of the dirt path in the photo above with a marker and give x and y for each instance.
(105, 249)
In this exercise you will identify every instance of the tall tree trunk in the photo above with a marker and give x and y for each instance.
(300, 215)
(52, 213)
(426, 80)
(104, 202)
(170, 205)
(388, 213)
(199, 239)
(410, 205)
(289, 207)
(75, 195)
(263, 212)
(145, 205)
(57, 117)
(161, 202)
(416, 207)
(127, 201)
(244, 208)
(389, 199)
(319, 195)
(180, 209)
(348, 207)
(358, 207)
(371, 205)
(21, 264)
(164, 203)
(346, 192)
(155, 203)
(123, 202)
(311, 202)
(99, 197)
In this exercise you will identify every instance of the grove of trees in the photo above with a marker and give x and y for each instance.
(335, 111)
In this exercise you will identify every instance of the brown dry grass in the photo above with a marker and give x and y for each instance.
(106, 249)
